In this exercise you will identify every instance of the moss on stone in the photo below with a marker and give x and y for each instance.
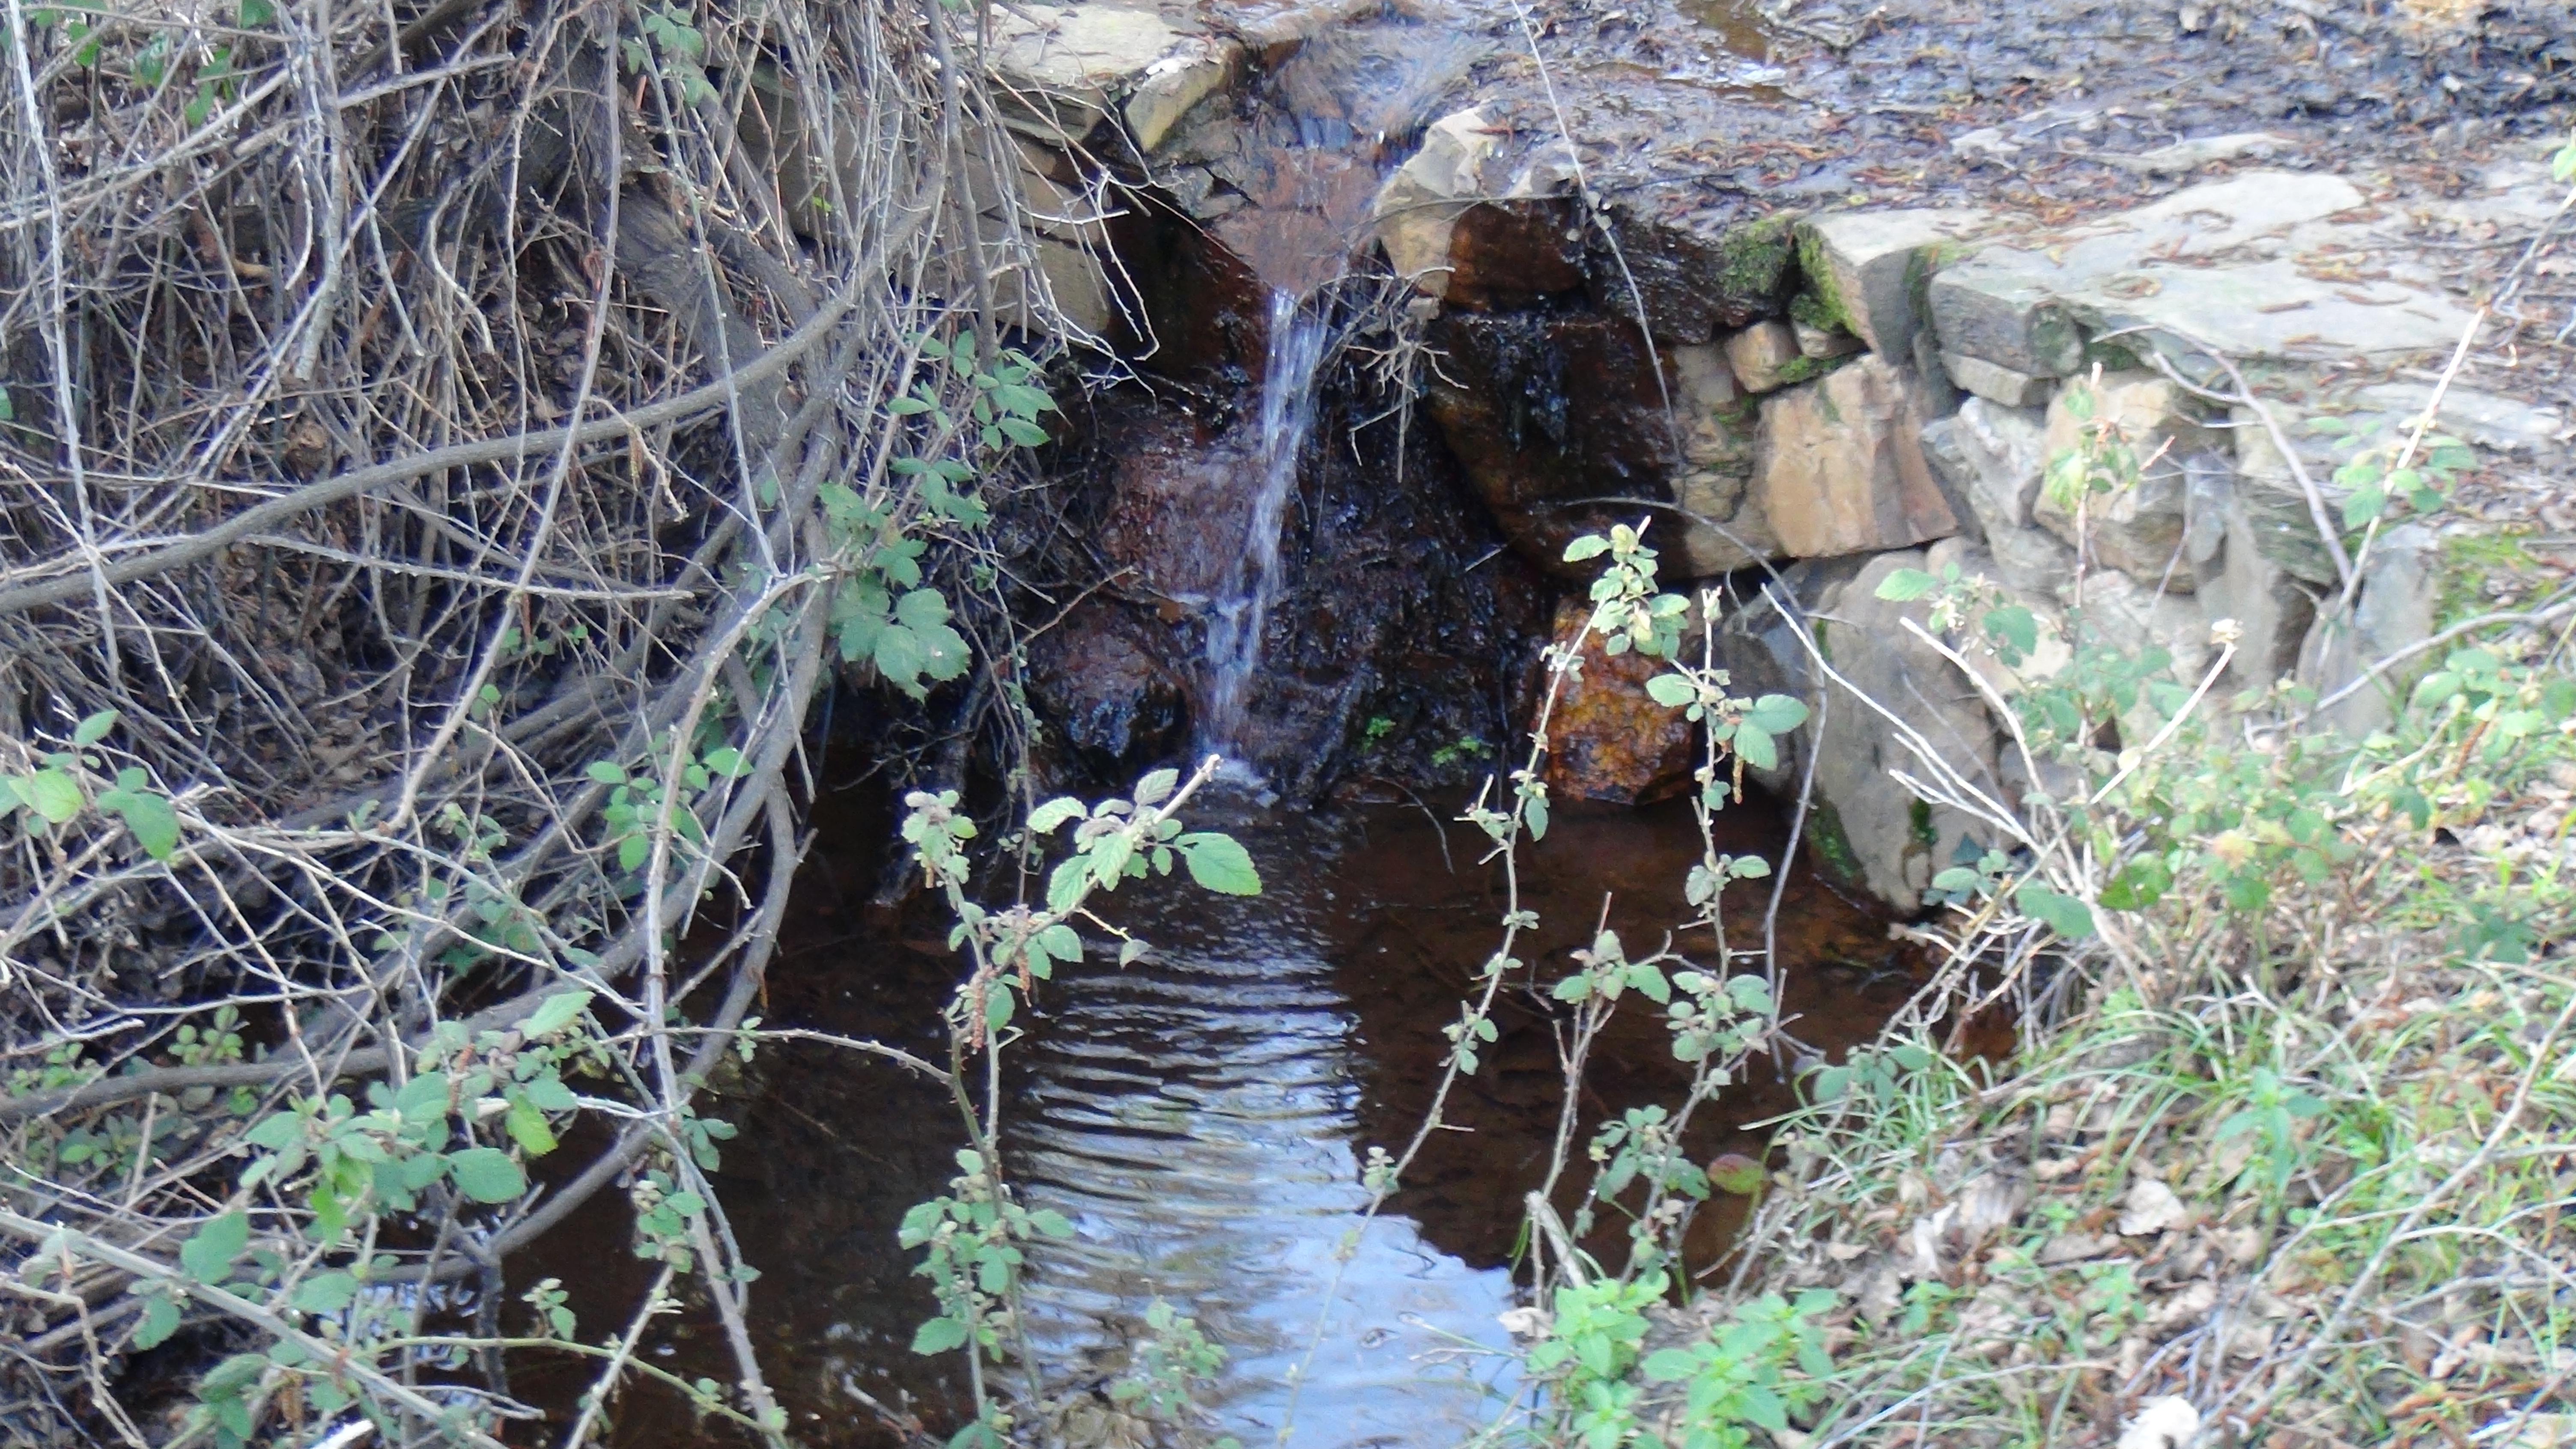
(2472, 564)
(2112, 357)
(1828, 308)
(1918, 823)
(1832, 847)
(1753, 259)
(1807, 369)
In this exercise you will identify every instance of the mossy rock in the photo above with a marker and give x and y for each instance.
(2473, 564)
(1832, 848)
(1753, 260)
(1821, 298)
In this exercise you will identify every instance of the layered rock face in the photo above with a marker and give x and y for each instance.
(1785, 391)
(1817, 395)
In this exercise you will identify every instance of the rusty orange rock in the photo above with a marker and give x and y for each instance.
(1608, 740)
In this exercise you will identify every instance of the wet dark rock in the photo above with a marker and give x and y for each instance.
(1200, 312)
(1564, 426)
(1400, 633)
(1607, 739)
(1509, 254)
(1693, 279)
(1108, 685)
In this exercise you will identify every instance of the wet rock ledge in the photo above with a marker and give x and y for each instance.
(1816, 397)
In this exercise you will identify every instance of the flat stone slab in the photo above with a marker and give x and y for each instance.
(2487, 419)
(2270, 310)
(1061, 70)
(2263, 265)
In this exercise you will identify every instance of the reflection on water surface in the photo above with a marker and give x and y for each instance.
(1201, 1117)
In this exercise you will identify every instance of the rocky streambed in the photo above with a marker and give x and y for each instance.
(1382, 305)
(1807, 294)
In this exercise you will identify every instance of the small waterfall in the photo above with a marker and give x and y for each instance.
(1299, 335)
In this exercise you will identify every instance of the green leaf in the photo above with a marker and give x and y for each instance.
(1065, 886)
(1672, 691)
(527, 1127)
(1763, 1407)
(486, 1174)
(1905, 585)
(1777, 714)
(1591, 545)
(423, 1098)
(1735, 1173)
(160, 1320)
(939, 1335)
(2015, 627)
(1749, 993)
(227, 1379)
(1023, 432)
(275, 1131)
(150, 817)
(1219, 863)
(1665, 1365)
(1060, 942)
(919, 609)
(551, 1095)
(256, 13)
(209, 1253)
(555, 1013)
(605, 773)
(326, 1293)
(900, 657)
(1755, 745)
(1157, 787)
(1053, 814)
(2063, 914)
(51, 793)
(93, 729)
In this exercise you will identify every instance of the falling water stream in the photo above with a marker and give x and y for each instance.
(1203, 1116)
(1299, 338)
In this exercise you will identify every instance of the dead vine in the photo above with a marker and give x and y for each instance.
(414, 421)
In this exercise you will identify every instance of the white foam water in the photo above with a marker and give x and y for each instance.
(1299, 335)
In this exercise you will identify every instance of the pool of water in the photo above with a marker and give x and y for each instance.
(1202, 1118)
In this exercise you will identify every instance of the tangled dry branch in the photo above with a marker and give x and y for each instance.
(417, 424)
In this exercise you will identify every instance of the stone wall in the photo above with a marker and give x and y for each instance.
(1824, 396)
(1855, 386)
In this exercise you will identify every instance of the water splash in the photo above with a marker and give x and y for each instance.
(1299, 336)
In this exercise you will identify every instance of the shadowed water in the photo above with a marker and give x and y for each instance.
(1203, 1117)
